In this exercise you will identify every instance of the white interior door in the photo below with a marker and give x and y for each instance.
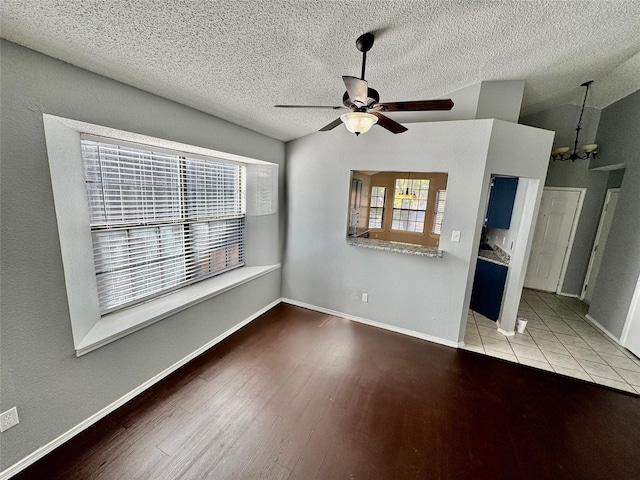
(599, 244)
(551, 238)
(631, 332)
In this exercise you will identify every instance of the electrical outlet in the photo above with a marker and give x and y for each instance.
(365, 297)
(8, 419)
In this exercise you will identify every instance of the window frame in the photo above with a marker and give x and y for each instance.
(437, 181)
(90, 329)
(411, 190)
(382, 208)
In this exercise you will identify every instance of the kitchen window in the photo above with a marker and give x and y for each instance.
(410, 204)
(376, 207)
(402, 207)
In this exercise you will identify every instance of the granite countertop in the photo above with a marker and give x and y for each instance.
(497, 255)
(407, 248)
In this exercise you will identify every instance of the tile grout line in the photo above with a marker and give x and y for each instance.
(570, 317)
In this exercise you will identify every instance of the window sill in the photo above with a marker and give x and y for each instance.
(399, 247)
(116, 325)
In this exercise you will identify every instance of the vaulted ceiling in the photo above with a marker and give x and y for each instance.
(235, 59)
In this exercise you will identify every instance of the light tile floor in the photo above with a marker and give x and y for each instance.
(557, 338)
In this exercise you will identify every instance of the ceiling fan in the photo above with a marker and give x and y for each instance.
(364, 102)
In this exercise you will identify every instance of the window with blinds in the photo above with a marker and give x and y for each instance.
(160, 221)
(438, 214)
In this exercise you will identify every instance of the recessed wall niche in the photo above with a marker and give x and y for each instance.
(406, 207)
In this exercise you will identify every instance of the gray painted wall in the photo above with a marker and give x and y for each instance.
(615, 178)
(619, 137)
(425, 295)
(54, 390)
(563, 120)
(404, 290)
(501, 100)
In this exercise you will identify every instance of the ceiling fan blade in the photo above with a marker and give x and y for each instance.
(391, 125)
(312, 106)
(417, 105)
(357, 90)
(331, 125)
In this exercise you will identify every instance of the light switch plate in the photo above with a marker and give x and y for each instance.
(455, 236)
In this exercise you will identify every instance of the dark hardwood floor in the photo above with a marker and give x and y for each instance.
(302, 395)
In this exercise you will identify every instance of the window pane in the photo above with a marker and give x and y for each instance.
(410, 195)
(375, 218)
(376, 209)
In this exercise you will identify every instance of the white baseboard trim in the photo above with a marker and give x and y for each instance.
(602, 329)
(572, 295)
(384, 326)
(56, 442)
(506, 333)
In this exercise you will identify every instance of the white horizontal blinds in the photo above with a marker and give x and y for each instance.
(262, 194)
(136, 263)
(130, 186)
(441, 199)
(160, 221)
(215, 206)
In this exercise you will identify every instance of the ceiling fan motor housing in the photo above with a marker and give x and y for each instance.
(373, 98)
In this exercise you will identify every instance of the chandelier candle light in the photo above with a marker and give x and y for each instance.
(406, 195)
(566, 153)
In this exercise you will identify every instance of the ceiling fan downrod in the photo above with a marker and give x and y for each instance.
(364, 44)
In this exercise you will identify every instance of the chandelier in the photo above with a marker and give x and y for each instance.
(567, 153)
(406, 195)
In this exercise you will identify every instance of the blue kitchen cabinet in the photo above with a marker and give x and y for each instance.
(488, 288)
(501, 198)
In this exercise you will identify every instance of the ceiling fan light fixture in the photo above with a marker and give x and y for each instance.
(358, 122)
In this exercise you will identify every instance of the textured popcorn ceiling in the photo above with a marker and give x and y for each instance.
(235, 59)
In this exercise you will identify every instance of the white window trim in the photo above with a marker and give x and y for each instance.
(90, 329)
(123, 322)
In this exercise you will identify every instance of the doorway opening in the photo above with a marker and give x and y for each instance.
(599, 244)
